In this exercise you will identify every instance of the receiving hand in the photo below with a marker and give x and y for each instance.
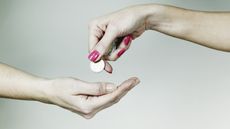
(84, 98)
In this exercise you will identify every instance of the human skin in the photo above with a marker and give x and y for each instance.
(83, 98)
(209, 29)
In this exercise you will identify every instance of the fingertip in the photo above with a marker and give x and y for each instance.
(136, 80)
(128, 84)
(109, 72)
(121, 52)
(94, 56)
(132, 79)
(127, 40)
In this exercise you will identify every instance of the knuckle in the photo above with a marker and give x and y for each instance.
(102, 88)
(127, 88)
(114, 28)
(88, 116)
(92, 23)
(87, 111)
(113, 59)
(116, 101)
(101, 47)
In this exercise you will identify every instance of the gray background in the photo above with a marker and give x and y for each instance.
(183, 85)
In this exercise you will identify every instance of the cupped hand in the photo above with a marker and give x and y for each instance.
(85, 98)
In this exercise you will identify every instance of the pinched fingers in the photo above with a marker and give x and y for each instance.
(121, 49)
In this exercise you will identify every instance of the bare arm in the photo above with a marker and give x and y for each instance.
(210, 29)
(16, 84)
(83, 98)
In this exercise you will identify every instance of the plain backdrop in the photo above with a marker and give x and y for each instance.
(183, 85)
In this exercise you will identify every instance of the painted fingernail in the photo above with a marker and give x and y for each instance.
(128, 39)
(110, 72)
(93, 55)
(121, 52)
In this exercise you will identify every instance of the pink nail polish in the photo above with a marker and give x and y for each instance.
(121, 52)
(128, 39)
(93, 55)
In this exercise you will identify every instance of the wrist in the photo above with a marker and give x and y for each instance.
(153, 16)
(167, 19)
(42, 90)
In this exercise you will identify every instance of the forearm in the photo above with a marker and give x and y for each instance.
(16, 84)
(209, 29)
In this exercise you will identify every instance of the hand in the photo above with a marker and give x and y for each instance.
(128, 23)
(84, 98)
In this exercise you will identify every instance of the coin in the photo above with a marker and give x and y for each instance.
(98, 66)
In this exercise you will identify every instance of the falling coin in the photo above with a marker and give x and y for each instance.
(98, 66)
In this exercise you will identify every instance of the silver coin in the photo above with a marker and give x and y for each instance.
(97, 67)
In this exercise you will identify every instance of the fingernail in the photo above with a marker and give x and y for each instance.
(121, 52)
(128, 39)
(137, 81)
(93, 55)
(110, 72)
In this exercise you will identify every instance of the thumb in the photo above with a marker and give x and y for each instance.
(103, 45)
(98, 88)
